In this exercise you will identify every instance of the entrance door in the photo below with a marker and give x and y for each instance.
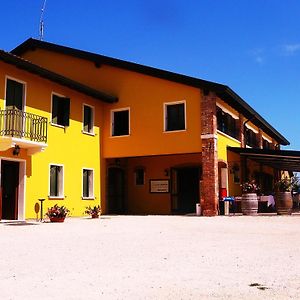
(116, 186)
(187, 189)
(9, 190)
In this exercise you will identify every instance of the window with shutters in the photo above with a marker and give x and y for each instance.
(60, 110)
(175, 116)
(120, 122)
(87, 184)
(251, 138)
(56, 181)
(88, 119)
(226, 123)
(266, 144)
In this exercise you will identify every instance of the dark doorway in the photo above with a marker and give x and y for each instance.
(185, 189)
(9, 190)
(116, 190)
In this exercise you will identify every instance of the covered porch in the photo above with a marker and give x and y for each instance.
(265, 166)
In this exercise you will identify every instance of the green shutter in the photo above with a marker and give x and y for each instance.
(87, 119)
(66, 111)
(53, 181)
(14, 94)
(55, 100)
(85, 183)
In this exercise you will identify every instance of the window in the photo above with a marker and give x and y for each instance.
(175, 116)
(56, 181)
(87, 183)
(120, 122)
(266, 144)
(226, 123)
(60, 110)
(139, 176)
(251, 139)
(88, 119)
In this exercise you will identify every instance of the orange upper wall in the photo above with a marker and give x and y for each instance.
(144, 95)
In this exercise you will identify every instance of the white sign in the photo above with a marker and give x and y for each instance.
(159, 186)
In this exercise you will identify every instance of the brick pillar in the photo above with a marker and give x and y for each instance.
(209, 154)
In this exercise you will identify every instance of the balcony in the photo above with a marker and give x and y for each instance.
(26, 130)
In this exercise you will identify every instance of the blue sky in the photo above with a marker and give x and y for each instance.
(253, 46)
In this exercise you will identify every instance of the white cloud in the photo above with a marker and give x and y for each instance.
(291, 49)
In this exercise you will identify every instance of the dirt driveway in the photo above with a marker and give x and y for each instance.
(152, 257)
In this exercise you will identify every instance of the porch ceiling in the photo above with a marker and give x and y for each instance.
(285, 160)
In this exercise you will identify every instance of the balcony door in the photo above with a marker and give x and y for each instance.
(14, 94)
(14, 105)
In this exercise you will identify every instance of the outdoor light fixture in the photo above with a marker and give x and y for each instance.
(167, 171)
(16, 150)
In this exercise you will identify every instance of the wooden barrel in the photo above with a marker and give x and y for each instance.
(284, 203)
(249, 204)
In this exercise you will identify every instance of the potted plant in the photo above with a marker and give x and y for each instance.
(283, 194)
(249, 201)
(94, 212)
(57, 213)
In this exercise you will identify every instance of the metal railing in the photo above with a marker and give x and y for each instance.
(20, 124)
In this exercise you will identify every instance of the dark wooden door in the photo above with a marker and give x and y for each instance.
(116, 190)
(9, 190)
(187, 189)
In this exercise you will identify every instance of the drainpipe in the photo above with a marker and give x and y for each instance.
(244, 158)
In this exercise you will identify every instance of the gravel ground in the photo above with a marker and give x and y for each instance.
(152, 257)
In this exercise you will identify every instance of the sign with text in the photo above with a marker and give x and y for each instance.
(159, 186)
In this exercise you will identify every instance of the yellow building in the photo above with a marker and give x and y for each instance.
(49, 140)
(161, 147)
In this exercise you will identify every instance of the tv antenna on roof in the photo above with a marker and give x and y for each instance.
(41, 35)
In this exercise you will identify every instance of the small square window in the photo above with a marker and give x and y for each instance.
(120, 122)
(87, 183)
(60, 110)
(175, 116)
(139, 176)
(56, 181)
(88, 119)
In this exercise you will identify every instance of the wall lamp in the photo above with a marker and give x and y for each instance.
(167, 172)
(16, 150)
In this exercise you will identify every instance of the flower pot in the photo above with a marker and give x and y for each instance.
(95, 216)
(284, 203)
(57, 219)
(249, 204)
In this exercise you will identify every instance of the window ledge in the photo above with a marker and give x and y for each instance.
(57, 125)
(171, 131)
(228, 136)
(88, 133)
(88, 198)
(120, 136)
(56, 197)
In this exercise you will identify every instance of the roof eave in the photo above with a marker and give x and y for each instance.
(223, 91)
(37, 70)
